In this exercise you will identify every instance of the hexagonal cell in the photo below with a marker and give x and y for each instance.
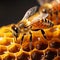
(14, 48)
(41, 45)
(9, 57)
(23, 56)
(28, 46)
(50, 54)
(2, 49)
(55, 44)
(36, 55)
(6, 41)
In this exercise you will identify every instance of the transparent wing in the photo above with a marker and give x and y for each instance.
(30, 12)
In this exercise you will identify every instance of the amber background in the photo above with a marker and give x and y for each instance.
(11, 11)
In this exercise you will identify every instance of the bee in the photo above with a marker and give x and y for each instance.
(53, 11)
(46, 16)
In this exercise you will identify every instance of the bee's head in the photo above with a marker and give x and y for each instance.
(46, 8)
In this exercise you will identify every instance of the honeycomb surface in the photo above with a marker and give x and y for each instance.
(39, 49)
(35, 47)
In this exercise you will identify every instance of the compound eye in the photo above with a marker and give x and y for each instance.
(15, 28)
(15, 31)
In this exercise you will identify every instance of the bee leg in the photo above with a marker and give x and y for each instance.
(22, 39)
(30, 45)
(43, 32)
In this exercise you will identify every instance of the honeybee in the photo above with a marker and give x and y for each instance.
(46, 17)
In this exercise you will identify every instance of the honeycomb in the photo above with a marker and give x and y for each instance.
(39, 49)
(34, 45)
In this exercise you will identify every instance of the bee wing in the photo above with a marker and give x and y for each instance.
(30, 12)
(40, 17)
